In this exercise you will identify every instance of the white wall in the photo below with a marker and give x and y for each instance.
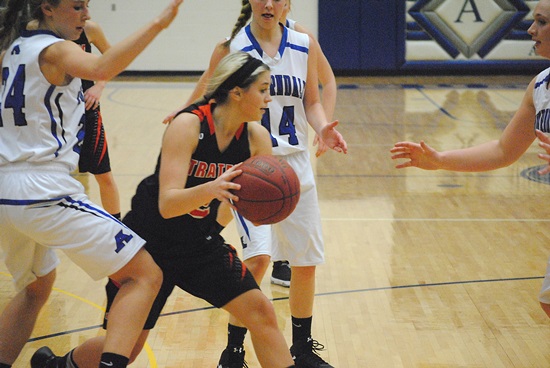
(188, 43)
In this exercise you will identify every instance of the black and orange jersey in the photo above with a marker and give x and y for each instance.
(207, 163)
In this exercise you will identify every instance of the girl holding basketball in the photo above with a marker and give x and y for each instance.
(182, 207)
(292, 57)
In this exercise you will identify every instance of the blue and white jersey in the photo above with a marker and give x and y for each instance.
(40, 122)
(290, 23)
(541, 100)
(285, 117)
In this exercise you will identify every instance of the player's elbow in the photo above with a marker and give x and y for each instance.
(165, 210)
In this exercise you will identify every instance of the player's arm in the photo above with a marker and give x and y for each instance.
(64, 60)
(96, 37)
(179, 142)
(325, 74)
(315, 113)
(514, 141)
(259, 138)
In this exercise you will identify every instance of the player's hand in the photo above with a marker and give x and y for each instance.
(544, 143)
(168, 15)
(333, 139)
(168, 119)
(223, 185)
(321, 146)
(417, 154)
(92, 96)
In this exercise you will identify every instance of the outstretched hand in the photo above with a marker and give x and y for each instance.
(167, 16)
(321, 146)
(417, 154)
(544, 143)
(333, 139)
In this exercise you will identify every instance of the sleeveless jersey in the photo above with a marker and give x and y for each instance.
(207, 163)
(86, 46)
(541, 100)
(40, 122)
(290, 23)
(285, 117)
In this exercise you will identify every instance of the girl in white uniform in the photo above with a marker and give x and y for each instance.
(281, 273)
(292, 58)
(528, 123)
(41, 207)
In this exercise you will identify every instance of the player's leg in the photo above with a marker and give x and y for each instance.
(86, 355)
(19, 317)
(140, 281)
(32, 267)
(257, 313)
(103, 247)
(256, 243)
(108, 191)
(299, 239)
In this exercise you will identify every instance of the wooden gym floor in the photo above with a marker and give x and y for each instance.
(424, 269)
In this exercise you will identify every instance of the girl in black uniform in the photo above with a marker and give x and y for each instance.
(94, 154)
(181, 209)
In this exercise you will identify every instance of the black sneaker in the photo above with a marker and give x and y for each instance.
(232, 357)
(305, 355)
(281, 273)
(45, 358)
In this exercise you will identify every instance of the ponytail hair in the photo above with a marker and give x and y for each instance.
(15, 16)
(244, 17)
(237, 69)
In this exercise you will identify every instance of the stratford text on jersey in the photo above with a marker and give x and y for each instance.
(201, 169)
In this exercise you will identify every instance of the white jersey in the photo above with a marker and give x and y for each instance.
(40, 122)
(541, 100)
(290, 23)
(286, 120)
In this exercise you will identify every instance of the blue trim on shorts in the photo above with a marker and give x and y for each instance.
(27, 202)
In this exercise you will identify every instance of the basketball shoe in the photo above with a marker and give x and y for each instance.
(232, 357)
(281, 273)
(305, 355)
(45, 358)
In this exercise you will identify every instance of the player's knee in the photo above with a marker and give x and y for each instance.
(258, 265)
(154, 277)
(39, 291)
(143, 270)
(263, 315)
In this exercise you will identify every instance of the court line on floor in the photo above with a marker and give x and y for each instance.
(421, 219)
(330, 293)
(146, 346)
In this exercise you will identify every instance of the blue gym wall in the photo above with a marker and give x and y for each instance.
(428, 36)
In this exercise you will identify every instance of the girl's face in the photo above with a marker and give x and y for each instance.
(267, 13)
(540, 29)
(256, 97)
(66, 19)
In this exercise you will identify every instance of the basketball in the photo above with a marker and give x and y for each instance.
(270, 190)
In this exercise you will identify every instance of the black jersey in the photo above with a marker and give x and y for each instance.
(86, 46)
(180, 234)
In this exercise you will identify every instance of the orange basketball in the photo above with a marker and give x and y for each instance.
(270, 190)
